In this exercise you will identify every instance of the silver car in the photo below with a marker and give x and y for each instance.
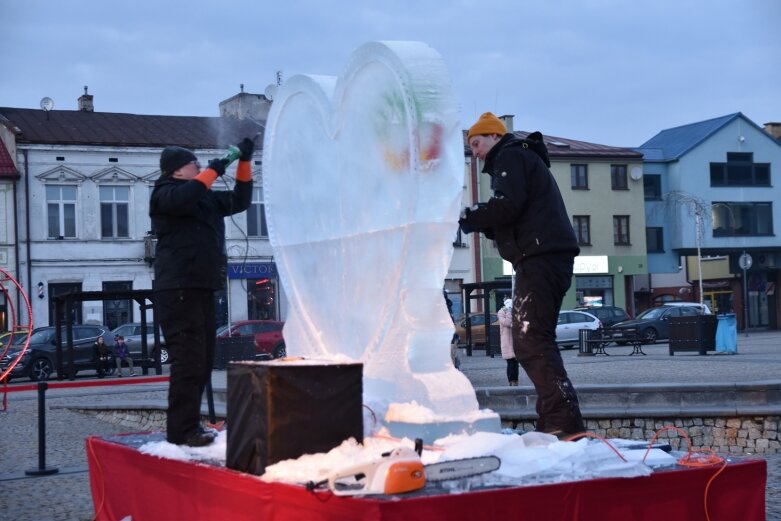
(569, 325)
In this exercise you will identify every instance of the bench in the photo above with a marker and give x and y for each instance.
(598, 339)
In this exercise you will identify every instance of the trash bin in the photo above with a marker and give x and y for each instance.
(584, 346)
(727, 334)
(695, 333)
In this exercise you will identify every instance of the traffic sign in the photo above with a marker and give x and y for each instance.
(745, 261)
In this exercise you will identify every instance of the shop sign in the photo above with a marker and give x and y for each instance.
(590, 264)
(252, 270)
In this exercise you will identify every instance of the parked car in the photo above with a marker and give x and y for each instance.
(6, 337)
(267, 333)
(132, 334)
(654, 324)
(704, 309)
(39, 361)
(569, 325)
(477, 321)
(608, 315)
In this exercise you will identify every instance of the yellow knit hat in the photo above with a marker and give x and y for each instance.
(487, 124)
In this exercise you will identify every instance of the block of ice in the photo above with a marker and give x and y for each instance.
(362, 178)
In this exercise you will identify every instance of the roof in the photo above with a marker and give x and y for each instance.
(7, 167)
(671, 144)
(564, 148)
(73, 127)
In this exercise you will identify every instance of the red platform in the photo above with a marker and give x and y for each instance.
(125, 482)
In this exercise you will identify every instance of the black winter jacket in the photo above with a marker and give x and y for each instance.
(526, 216)
(188, 220)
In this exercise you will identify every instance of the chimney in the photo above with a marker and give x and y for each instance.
(85, 102)
(507, 119)
(245, 105)
(774, 129)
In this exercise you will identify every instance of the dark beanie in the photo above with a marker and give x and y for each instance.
(174, 158)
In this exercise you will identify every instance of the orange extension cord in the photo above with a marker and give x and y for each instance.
(693, 458)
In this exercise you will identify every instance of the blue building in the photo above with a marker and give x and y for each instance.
(710, 197)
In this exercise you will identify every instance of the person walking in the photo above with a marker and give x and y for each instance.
(506, 341)
(122, 354)
(190, 264)
(527, 219)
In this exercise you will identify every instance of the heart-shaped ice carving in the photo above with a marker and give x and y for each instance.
(362, 182)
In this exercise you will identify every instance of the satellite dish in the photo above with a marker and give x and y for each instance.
(271, 91)
(47, 103)
(636, 173)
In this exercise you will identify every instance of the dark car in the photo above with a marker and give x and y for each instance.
(653, 324)
(132, 335)
(267, 333)
(40, 360)
(608, 315)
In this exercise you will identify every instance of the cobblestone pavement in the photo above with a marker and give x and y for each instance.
(65, 496)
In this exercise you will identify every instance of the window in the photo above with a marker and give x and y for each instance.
(117, 312)
(256, 215)
(652, 186)
(114, 211)
(579, 177)
(733, 219)
(621, 230)
(654, 240)
(618, 177)
(740, 170)
(582, 226)
(61, 288)
(61, 211)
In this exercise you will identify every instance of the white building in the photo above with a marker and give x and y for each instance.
(76, 218)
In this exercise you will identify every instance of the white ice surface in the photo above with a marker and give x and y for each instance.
(530, 459)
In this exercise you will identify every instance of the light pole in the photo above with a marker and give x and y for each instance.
(745, 261)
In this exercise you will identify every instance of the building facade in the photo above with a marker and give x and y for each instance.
(81, 209)
(710, 199)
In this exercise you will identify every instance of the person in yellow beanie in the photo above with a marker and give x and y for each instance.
(528, 220)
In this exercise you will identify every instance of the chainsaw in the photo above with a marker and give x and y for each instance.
(401, 470)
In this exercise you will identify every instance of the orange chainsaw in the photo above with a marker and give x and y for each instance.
(401, 470)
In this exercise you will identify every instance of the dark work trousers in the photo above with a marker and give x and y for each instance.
(540, 285)
(187, 318)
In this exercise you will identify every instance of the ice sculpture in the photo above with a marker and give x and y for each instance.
(362, 182)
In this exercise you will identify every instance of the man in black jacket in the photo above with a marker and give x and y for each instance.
(527, 219)
(187, 217)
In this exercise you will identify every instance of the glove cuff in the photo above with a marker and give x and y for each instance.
(207, 177)
(244, 171)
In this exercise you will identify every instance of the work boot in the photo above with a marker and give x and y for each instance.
(200, 438)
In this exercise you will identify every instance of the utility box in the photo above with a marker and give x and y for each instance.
(280, 410)
(693, 333)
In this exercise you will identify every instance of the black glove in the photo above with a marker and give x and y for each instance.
(218, 166)
(247, 147)
(462, 221)
(466, 228)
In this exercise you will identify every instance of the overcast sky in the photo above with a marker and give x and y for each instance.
(613, 72)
